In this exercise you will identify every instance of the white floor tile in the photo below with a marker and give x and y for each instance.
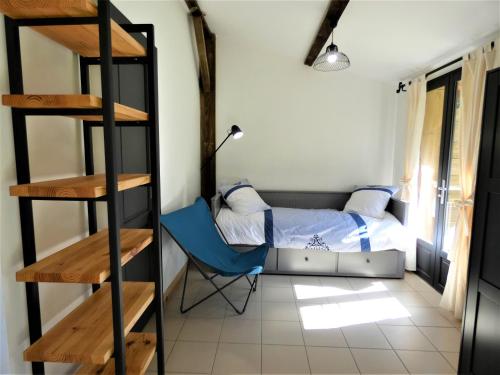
(275, 281)
(324, 337)
(241, 293)
(214, 307)
(281, 333)
(397, 285)
(274, 318)
(241, 331)
(201, 330)
(451, 318)
(406, 337)
(444, 339)
(417, 283)
(172, 308)
(253, 310)
(428, 316)
(364, 284)
(432, 297)
(338, 282)
(280, 311)
(277, 294)
(181, 357)
(452, 359)
(278, 359)
(305, 280)
(411, 298)
(331, 361)
(168, 346)
(243, 282)
(365, 336)
(376, 361)
(237, 359)
(318, 293)
(405, 321)
(172, 328)
(425, 362)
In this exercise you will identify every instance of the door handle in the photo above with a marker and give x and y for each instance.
(442, 191)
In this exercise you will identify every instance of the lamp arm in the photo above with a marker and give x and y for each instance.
(213, 154)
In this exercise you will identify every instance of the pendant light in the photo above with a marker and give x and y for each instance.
(331, 60)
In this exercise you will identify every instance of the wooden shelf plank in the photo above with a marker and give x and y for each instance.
(140, 348)
(122, 112)
(82, 39)
(77, 187)
(86, 334)
(86, 261)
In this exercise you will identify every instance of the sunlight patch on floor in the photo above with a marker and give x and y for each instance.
(343, 314)
(304, 292)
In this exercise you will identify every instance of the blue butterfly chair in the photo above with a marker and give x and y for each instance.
(194, 230)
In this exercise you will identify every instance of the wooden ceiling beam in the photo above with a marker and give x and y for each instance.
(333, 14)
(202, 52)
(195, 10)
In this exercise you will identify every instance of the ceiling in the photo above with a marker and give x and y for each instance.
(385, 40)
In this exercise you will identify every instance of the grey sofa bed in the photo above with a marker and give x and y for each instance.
(388, 263)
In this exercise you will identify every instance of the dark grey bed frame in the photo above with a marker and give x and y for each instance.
(388, 263)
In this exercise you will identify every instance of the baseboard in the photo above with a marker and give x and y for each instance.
(175, 282)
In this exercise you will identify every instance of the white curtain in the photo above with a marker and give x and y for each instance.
(474, 70)
(409, 189)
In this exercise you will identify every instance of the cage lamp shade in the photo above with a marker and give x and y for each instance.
(331, 60)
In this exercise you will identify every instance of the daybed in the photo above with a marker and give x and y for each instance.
(389, 263)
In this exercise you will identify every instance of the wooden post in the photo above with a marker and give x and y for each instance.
(205, 43)
(207, 126)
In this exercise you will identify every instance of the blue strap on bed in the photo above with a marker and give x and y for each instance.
(194, 231)
(364, 239)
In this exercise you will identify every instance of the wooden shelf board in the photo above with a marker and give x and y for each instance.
(122, 112)
(82, 39)
(77, 187)
(86, 334)
(86, 261)
(140, 350)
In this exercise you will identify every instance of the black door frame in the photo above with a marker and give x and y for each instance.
(481, 329)
(437, 268)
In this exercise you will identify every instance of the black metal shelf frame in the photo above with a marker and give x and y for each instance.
(106, 12)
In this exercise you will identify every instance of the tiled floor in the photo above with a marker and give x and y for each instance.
(314, 325)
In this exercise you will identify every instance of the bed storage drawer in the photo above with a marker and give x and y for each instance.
(271, 260)
(380, 263)
(271, 264)
(309, 261)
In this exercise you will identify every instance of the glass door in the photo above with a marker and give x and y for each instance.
(438, 179)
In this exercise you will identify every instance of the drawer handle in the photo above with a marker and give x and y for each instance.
(367, 260)
(306, 259)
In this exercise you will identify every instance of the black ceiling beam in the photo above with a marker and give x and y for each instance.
(333, 14)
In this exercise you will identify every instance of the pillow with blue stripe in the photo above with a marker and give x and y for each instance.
(370, 200)
(242, 198)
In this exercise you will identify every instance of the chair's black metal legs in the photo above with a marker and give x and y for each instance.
(253, 288)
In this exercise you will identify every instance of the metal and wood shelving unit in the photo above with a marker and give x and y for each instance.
(97, 333)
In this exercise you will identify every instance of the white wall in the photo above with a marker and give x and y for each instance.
(56, 151)
(304, 130)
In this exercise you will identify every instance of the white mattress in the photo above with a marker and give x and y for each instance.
(384, 234)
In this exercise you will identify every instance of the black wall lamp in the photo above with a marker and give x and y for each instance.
(235, 132)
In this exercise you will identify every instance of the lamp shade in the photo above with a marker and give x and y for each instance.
(236, 132)
(331, 60)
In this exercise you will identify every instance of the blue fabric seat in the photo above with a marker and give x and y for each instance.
(195, 232)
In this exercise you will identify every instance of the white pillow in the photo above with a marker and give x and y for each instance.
(370, 200)
(242, 198)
